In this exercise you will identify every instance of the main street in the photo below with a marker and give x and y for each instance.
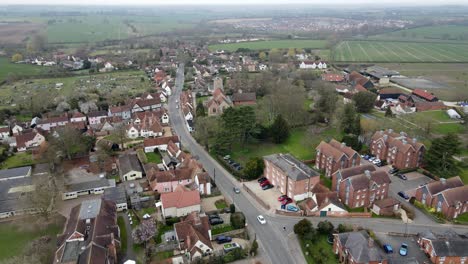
(273, 239)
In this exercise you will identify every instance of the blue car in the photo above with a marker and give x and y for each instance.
(404, 249)
(292, 208)
(388, 249)
(223, 239)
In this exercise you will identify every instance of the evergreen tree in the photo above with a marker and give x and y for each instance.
(388, 112)
(279, 130)
(200, 109)
(350, 120)
(254, 168)
(364, 101)
(439, 158)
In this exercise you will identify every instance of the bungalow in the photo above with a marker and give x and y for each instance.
(29, 140)
(179, 203)
(118, 195)
(193, 235)
(13, 189)
(92, 186)
(244, 99)
(95, 117)
(130, 167)
(357, 248)
(323, 204)
(160, 143)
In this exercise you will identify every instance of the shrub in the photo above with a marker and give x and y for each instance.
(232, 208)
(172, 220)
(303, 227)
(238, 220)
(342, 228)
(325, 227)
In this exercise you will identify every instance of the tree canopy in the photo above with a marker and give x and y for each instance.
(439, 158)
(279, 130)
(364, 101)
(254, 168)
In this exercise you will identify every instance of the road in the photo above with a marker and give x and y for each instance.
(278, 245)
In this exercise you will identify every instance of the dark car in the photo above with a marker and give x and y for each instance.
(216, 221)
(403, 195)
(223, 239)
(367, 157)
(235, 164)
(262, 179)
(211, 216)
(393, 170)
(402, 176)
(388, 249)
(238, 167)
(266, 187)
(264, 183)
(231, 162)
(379, 164)
(282, 197)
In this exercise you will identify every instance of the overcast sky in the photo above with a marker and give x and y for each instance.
(229, 2)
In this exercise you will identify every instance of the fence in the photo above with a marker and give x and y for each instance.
(260, 201)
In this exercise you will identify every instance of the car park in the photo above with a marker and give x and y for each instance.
(236, 190)
(402, 176)
(366, 157)
(376, 161)
(388, 248)
(403, 195)
(372, 159)
(404, 249)
(261, 219)
(262, 179)
(268, 186)
(223, 239)
(216, 221)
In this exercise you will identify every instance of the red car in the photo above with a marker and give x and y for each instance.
(282, 198)
(286, 201)
(264, 183)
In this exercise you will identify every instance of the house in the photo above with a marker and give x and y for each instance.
(397, 149)
(291, 176)
(323, 204)
(160, 143)
(444, 248)
(203, 183)
(312, 65)
(160, 114)
(363, 189)
(180, 202)
(244, 99)
(129, 167)
(334, 155)
(95, 117)
(140, 105)
(78, 117)
(17, 129)
(355, 79)
(424, 94)
(332, 77)
(91, 234)
(4, 132)
(342, 174)
(386, 207)
(52, 122)
(217, 83)
(451, 202)
(419, 104)
(124, 111)
(87, 187)
(426, 193)
(147, 127)
(167, 181)
(29, 140)
(193, 235)
(358, 248)
(15, 173)
(118, 195)
(218, 103)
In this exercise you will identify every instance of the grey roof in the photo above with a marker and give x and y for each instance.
(15, 172)
(90, 209)
(358, 245)
(293, 167)
(446, 248)
(14, 201)
(116, 194)
(379, 72)
(128, 163)
(72, 251)
(87, 185)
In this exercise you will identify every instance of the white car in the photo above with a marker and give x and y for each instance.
(261, 219)
(177, 106)
(376, 161)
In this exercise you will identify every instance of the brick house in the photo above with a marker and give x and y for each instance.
(291, 176)
(180, 202)
(29, 140)
(426, 193)
(357, 248)
(167, 181)
(387, 206)
(446, 248)
(218, 103)
(363, 189)
(452, 202)
(334, 155)
(244, 99)
(397, 149)
(194, 236)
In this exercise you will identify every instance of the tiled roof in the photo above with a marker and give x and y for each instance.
(357, 244)
(424, 94)
(128, 163)
(295, 169)
(456, 195)
(149, 142)
(180, 198)
(192, 229)
(97, 113)
(439, 186)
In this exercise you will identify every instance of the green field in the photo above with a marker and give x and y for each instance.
(6, 68)
(271, 44)
(384, 51)
(436, 33)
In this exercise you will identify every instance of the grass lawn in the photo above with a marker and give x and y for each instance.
(318, 250)
(14, 238)
(355, 210)
(202, 98)
(221, 204)
(18, 160)
(463, 218)
(153, 157)
(161, 230)
(123, 233)
(271, 44)
(7, 67)
(160, 256)
(463, 172)
(219, 229)
(437, 115)
(448, 128)
(301, 143)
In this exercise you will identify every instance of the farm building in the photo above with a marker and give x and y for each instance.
(390, 93)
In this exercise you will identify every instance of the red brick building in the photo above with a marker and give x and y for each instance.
(358, 248)
(447, 248)
(334, 155)
(397, 149)
(426, 193)
(452, 202)
(244, 99)
(358, 186)
(290, 176)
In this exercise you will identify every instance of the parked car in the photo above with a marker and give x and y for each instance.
(402, 176)
(403, 195)
(223, 239)
(286, 201)
(282, 197)
(227, 157)
(372, 159)
(366, 157)
(235, 164)
(376, 161)
(211, 216)
(393, 170)
(230, 162)
(216, 221)
(236, 190)
(262, 179)
(266, 187)
(177, 106)
(264, 183)
(261, 219)
(404, 249)
(292, 208)
(230, 247)
(388, 249)
(238, 167)
(379, 164)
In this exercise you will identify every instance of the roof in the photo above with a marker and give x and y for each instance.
(87, 185)
(439, 186)
(345, 173)
(25, 137)
(324, 199)
(445, 248)
(150, 142)
(424, 94)
(379, 72)
(359, 247)
(294, 168)
(387, 202)
(456, 195)
(397, 140)
(192, 229)
(336, 149)
(118, 109)
(244, 97)
(180, 198)
(78, 115)
(391, 91)
(332, 77)
(15, 172)
(364, 181)
(169, 176)
(97, 113)
(116, 194)
(128, 163)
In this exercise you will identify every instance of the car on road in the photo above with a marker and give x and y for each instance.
(388, 249)
(404, 249)
(393, 170)
(264, 183)
(261, 219)
(403, 195)
(268, 186)
(282, 197)
(223, 239)
(236, 190)
(292, 208)
(262, 179)
(216, 221)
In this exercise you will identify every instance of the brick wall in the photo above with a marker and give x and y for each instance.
(260, 201)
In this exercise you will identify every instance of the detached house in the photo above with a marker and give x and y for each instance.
(167, 181)
(358, 248)
(397, 149)
(130, 168)
(444, 248)
(194, 236)
(291, 176)
(218, 103)
(180, 202)
(334, 155)
(160, 143)
(29, 140)
(124, 111)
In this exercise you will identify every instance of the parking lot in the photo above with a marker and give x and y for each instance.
(269, 196)
(409, 186)
(415, 254)
(218, 248)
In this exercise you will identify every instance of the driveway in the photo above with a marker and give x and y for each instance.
(268, 196)
(415, 254)
(219, 247)
(208, 204)
(129, 253)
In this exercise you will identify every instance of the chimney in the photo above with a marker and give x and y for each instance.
(367, 173)
(443, 181)
(343, 144)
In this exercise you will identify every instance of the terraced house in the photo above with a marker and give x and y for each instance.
(397, 149)
(426, 193)
(334, 155)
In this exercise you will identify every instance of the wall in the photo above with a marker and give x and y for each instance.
(260, 201)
